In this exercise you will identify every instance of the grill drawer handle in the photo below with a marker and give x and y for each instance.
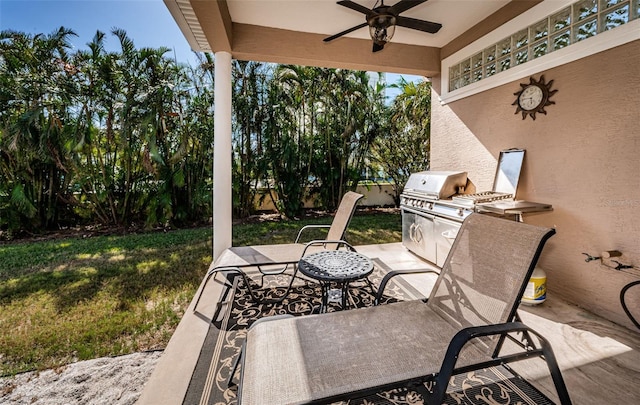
(415, 233)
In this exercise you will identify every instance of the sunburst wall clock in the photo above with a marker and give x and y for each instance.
(533, 97)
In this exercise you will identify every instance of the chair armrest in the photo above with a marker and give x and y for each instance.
(327, 242)
(309, 227)
(465, 335)
(393, 273)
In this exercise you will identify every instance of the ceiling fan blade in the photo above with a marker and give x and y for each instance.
(357, 7)
(377, 47)
(404, 5)
(420, 25)
(357, 27)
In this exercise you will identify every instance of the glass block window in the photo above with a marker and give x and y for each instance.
(577, 22)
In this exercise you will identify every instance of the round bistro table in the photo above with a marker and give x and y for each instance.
(335, 267)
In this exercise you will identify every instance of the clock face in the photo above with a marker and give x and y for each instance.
(533, 97)
(530, 98)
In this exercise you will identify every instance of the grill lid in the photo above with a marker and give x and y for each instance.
(508, 171)
(436, 185)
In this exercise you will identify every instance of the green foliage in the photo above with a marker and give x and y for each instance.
(126, 136)
(320, 124)
(101, 136)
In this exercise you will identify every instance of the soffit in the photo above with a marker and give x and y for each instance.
(327, 18)
(291, 31)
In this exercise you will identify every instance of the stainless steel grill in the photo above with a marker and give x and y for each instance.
(434, 204)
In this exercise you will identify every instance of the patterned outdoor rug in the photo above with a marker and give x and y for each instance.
(237, 313)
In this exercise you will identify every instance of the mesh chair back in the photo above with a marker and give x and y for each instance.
(343, 216)
(485, 274)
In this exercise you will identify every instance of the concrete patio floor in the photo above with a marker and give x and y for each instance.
(600, 360)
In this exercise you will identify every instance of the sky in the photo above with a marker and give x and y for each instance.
(147, 22)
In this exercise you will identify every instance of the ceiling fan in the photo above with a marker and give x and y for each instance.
(382, 21)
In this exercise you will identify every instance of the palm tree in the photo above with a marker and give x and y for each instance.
(38, 92)
(250, 81)
(345, 127)
(403, 146)
(283, 163)
(97, 161)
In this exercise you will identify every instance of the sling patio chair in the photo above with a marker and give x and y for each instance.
(462, 327)
(276, 259)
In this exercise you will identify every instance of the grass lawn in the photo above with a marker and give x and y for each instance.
(75, 299)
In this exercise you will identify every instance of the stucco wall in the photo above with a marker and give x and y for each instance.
(583, 157)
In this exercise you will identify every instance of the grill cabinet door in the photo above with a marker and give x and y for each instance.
(417, 234)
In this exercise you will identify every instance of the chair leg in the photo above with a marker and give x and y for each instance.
(236, 363)
(286, 293)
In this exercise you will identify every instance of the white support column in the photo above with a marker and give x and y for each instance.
(222, 186)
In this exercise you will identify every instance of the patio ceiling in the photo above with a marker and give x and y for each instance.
(291, 31)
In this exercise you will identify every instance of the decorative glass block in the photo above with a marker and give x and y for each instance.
(614, 18)
(454, 71)
(453, 84)
(539, 30)
(521, 56)
(476, 75)
(560, 20)
(561, 40)
(490, 54)
(490, 69)
(605, 4)
(585, 30)
(520, 39)
(504, 64)
(465, 66)
(539, 49)
(476, 60)
(584, 9)
(504, 47)
(465, 80)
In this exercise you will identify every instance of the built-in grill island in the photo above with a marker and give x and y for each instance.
(430, 219)
(434, 204)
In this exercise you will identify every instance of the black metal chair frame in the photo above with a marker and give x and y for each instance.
(499, 331)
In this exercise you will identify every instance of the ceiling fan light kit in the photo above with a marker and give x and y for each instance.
(382, 21)
(382, 28)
